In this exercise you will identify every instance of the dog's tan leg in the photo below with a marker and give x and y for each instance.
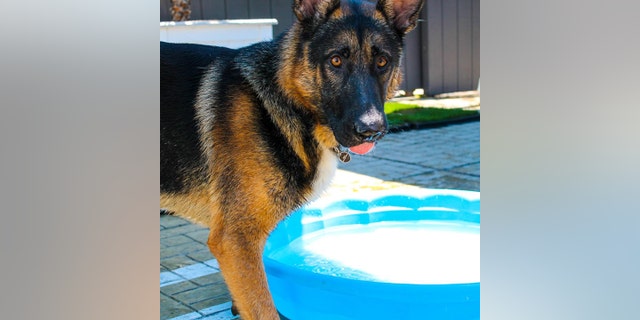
(239, 254)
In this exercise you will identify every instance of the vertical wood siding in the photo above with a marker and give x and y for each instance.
(441, 55)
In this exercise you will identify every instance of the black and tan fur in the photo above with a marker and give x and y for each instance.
(249, 135)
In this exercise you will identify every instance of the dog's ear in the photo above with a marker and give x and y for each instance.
(313, 10)
(402, 14)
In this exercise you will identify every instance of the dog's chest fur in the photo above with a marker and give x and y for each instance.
(324, 174)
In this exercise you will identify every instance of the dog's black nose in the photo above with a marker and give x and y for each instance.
(372, 124)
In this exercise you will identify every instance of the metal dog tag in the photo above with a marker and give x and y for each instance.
(344, 157)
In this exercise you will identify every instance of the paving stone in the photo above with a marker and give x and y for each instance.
(212, 303)
(169, 221)
(212, 263)
(170, 308)
(189, 316)
(182, 249)
(215, 278)
(182, 229)
(199, 235)
(178, 287)
(195, 270)
(201, 255)
(447, 161)
(177, 261)
(380, 168)
(412, 155)
(175, 240)
(428, 153)
(444, 181)
(421, 180)
(216, 308)
(169, 277)
(224, 315)
(471, 169)
(200, 294)
(401, 141)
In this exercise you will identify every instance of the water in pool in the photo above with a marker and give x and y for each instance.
(419, 252)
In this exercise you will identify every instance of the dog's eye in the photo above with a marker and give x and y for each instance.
(336, 61)
(381, 62)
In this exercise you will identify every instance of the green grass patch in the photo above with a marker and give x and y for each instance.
(400, 114)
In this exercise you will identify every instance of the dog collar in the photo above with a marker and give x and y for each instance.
(342, 153)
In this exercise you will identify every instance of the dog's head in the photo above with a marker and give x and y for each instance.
(343, 62)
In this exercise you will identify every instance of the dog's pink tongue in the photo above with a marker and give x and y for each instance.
(362, 148)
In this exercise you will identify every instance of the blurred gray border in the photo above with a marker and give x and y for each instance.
(559, 159)
(80, 160)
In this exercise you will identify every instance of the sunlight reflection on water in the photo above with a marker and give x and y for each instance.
(398, 252)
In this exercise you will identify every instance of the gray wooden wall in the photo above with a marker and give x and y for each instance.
(441, 55)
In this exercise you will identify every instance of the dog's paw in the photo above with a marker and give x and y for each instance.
(234, 309)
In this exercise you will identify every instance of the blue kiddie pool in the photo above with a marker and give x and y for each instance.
(414, 255)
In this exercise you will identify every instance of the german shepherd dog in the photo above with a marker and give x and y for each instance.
(249, 135)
